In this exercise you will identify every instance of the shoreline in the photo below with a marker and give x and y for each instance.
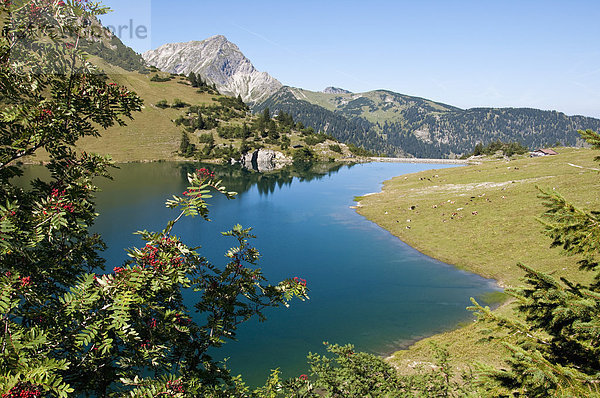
(499, 283)
(31, 161)
(422, 160)
(413, 341)
(481, 219)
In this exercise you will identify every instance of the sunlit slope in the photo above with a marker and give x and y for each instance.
(376, 106)
(484, 219)
(151, 135)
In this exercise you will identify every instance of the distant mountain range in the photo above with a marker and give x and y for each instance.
(220, 62)
(382, 121)
(400, 125)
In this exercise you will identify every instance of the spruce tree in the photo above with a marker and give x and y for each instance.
(557, 346)
(193, 79)
(185, 147)
(266, 116)
(200, 123)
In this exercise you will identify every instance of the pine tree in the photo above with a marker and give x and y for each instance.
(557, 351)
(200, 123)
(185, 147)
(193, 79)
(266, 116)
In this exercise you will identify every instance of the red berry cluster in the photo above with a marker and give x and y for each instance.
(175, 386)
(124, 92)
(303, 377)
(300, 281)
(194, 191)
(181, 320)
(146, 344)
(8, 214)
(151, 255)
(37, 7)
(23, 390)
(23, 282)
(45, 114)
(58, 203)
(34, 10)
(113, 89)
(176, 262)
(188, 193)
(26, 281)
(205, 173)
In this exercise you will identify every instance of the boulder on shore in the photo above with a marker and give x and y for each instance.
(264, 160)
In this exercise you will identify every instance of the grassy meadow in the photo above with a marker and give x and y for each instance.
(484, 219)
(152, 134)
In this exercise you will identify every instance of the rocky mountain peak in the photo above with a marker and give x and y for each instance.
(218, 61)
(336, 90)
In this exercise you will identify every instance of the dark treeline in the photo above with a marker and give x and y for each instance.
(356, 131)
(426, 129)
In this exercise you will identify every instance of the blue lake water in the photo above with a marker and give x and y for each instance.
(366, 286)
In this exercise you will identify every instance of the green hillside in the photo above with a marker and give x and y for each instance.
(397, 124)
(170, 103)
(375, 106)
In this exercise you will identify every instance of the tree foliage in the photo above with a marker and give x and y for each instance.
(186, 149)
(67, 328)
(557, 349)
(350, 374)
(507, 148)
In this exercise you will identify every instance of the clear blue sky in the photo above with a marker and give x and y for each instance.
(467, 53)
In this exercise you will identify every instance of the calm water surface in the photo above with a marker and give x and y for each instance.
(366, 286)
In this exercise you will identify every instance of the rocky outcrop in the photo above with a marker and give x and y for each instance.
(336, 90)
(265, 160)
(218, 61)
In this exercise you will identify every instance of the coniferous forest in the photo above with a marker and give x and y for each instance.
(422, 130)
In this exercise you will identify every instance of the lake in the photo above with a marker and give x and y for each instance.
(366, 286)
